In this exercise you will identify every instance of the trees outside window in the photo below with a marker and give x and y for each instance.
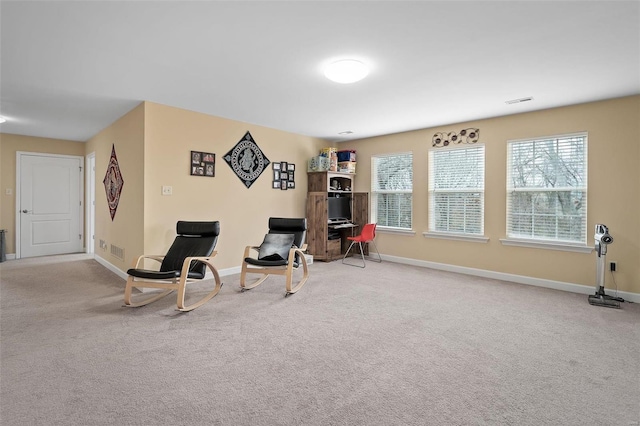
(547, 189)
(456, 190)
(392, 190)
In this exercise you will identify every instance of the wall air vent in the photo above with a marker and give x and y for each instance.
(117, 252)
(517, 101)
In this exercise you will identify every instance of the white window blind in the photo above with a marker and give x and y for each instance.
(392, 190)
(547, 189)
(456, 190)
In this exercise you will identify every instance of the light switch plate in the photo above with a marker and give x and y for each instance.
(8, 191)
(167, 190)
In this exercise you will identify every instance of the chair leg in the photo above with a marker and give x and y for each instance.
(127, 295)
(347, 252)
(361, 254)
(379, 260)
(243, 279)
(182, 288)
(305, 274)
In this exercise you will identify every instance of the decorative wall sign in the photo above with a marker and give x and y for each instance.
(467, 136)
(113, 183)
(202, 164)
(284, 175)
(247, 160)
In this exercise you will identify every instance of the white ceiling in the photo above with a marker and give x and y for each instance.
(70, 69)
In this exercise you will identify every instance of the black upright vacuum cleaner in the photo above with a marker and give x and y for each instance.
(603, 239)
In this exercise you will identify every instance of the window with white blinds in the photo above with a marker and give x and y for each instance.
(392, 190)
(547, 189)
(456, 190)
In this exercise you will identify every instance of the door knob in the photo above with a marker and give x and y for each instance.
(25, 211)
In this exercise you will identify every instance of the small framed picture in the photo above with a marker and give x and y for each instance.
(283, 185)
(283, 166)
(203, 164)
(291, 184)
(276, 166)
(291, 167)
(276, 175)
(284, 176)
(276, 184)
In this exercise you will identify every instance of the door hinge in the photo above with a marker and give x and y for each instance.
(79, 236)
(80, 167)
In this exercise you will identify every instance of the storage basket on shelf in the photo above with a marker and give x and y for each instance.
(347, 166)
(318, 164)
(346, 155)
(327, 152)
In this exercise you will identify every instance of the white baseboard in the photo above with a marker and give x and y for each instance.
(124, 276)
(520, 279)
(110, 267)
(10, 256)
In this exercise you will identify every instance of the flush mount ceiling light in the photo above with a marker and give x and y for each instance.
(2, 119)
(346, 132)
(346, 71)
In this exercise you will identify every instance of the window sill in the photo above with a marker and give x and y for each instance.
(456, 237)
(578, 248)
(389, 230)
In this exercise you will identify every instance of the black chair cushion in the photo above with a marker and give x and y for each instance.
(259, 262)
(295, 226)
(274, 250)
(276, 247)
(160, 275)
(280, 227)
(193, 239)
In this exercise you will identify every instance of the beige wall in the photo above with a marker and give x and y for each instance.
(171, 134)
(126, 230)
(9, 145)
(613, 128)
(153, 144)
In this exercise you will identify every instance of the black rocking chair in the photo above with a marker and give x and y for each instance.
(281, 252)
(186, 261)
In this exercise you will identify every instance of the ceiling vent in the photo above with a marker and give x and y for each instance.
(517, 101)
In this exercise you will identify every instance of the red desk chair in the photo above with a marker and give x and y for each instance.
(367, 235)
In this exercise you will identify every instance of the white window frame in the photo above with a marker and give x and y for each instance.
(375, 192)
(433, 191)
(545, 242)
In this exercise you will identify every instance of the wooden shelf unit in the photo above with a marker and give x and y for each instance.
(321, 182)
(319, 191)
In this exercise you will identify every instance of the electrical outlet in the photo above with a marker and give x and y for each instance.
(167, 190)
(613, 266)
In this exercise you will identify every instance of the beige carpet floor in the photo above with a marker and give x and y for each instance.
(389, 344)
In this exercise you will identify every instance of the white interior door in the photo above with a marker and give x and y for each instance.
(49, 217)
(90, 202)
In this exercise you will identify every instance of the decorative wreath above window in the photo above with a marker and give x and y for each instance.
(467, 136)
(247, 160)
